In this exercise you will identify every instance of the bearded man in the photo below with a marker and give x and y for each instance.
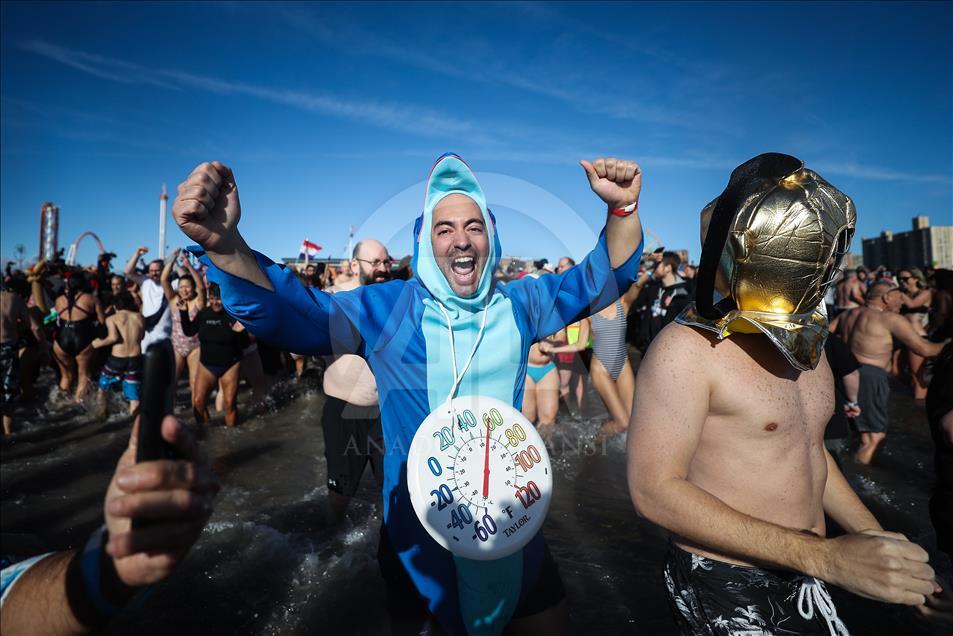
(408, 331)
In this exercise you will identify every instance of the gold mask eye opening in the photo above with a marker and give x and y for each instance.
(841, 246)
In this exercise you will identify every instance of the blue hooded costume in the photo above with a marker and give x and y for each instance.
(401, 329)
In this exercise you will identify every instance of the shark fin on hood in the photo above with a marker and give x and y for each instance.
(451, 175)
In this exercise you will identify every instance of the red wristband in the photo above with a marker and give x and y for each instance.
(626, 211)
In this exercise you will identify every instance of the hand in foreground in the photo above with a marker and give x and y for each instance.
(852, 410)
(883, 566)
(617, 182)
(938, 608)
(207, 207)
(176, 495)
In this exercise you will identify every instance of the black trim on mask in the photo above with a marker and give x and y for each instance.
(771, 165)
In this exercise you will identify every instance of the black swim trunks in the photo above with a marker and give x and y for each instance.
(9, 372)
(715, 598)
(352, 439)
(873, 396)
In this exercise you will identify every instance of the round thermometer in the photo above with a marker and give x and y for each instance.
(479, 477)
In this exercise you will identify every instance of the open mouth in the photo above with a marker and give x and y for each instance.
(464, 269)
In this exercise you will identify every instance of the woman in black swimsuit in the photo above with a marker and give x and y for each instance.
(222, 340)
(79, 315)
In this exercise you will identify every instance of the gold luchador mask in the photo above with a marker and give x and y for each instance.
(772, 243)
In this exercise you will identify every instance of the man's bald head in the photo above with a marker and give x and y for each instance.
(370, 262)
(885, 295)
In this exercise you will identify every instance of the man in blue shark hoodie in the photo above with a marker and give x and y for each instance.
(406, 331)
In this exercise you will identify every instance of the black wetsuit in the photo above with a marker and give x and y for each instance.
(74, 336)
(939, 403)
(220, 346)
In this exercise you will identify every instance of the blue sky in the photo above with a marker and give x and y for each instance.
(332, 114)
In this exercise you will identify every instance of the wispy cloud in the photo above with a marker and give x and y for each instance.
(881, 174)
(479, 61)
(403, 118)
(103, 67)
(417, 120)
(93, 129)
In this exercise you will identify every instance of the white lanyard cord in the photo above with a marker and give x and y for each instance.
(813, 593)
(453, 352)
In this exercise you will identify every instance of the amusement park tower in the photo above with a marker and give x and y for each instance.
(163, 202)
(49, 230)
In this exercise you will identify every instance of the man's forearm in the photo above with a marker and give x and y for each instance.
(932, 349)
(852, 386)
(240, 261)
(843, 504)
(699, 517)
(39, 603)
(623, 236)
(131, 264)
(39, 298)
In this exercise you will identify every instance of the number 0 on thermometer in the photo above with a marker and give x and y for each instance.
(481, 481)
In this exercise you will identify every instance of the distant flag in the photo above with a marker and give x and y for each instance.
(308, 250)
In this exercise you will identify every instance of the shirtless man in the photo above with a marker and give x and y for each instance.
(351, 418)
(14, 315)
(126, 329)
(733, 463)
(869, 331)
(850, 293)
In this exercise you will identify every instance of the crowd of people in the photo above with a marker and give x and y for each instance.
(91, 325)
(632, 326)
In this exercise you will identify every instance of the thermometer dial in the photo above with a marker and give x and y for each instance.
(479, 477)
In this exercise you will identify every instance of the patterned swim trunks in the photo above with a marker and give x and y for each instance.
(715, 598)
(126, 370)
(9, 372)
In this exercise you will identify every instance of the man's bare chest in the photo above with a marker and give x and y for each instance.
(766, 400)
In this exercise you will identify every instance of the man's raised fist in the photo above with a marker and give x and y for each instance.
(617, 182)
(207, 207)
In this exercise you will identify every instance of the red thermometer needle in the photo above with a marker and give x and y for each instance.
(486, 466)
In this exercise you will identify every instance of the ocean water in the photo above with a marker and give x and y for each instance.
(269, 562)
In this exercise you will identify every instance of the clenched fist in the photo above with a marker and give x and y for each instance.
(617, 182)
(884, 566)
(207, 207)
